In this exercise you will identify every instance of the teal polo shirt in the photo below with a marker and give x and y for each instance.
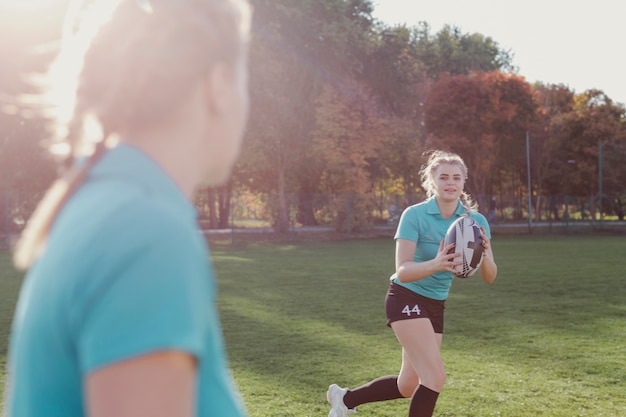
(422, 223)
(125, 273)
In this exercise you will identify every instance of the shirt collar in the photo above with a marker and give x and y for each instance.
(433, 208)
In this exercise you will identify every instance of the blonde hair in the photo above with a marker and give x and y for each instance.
(125, 64)
(427, 175)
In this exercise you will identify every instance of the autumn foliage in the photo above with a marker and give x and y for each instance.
(344, 107)
(477, 116)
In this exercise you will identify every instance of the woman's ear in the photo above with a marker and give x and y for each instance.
(218, 88)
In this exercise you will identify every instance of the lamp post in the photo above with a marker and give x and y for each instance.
(570, 163)
(600, 179)
(530, 207)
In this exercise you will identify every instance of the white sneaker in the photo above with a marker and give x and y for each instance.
(335, 399)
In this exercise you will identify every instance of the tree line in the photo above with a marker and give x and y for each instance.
(345, 104)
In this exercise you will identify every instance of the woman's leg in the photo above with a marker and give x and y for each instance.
(380, 389)
(421, 352)
(408, 380)
(344, 401)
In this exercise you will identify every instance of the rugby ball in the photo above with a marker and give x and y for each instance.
(466, 234)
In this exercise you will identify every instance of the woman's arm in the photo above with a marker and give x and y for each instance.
(488, 269)
(408, 270)
(160, 384)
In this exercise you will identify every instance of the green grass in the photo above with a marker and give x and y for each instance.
(10, 282)
(546, 339)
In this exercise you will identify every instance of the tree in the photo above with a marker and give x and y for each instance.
(547, 135)
(457, 53)
(402, 68)
(346, 138)
(594, 118)
(482, 117)
(296, 48)
(393, 70)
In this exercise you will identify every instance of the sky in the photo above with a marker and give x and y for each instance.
(578, 43)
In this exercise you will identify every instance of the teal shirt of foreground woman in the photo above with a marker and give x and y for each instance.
(125, 273)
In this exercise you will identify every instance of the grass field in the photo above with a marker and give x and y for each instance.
(548, 338)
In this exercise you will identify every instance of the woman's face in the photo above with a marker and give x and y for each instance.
(230, 122)
(449, 182)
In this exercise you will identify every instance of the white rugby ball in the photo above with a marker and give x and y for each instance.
(466, 234)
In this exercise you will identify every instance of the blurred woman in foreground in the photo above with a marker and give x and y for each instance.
(117, 315)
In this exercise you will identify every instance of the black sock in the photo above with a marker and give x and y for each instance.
(380, 389)
(423, 402)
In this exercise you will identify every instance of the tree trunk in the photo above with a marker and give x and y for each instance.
(282, 222)
(224, 201)
(212, 208)
(306, 212)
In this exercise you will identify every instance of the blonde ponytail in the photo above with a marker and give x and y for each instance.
(468, 204)
(33, 238)
(126, 64)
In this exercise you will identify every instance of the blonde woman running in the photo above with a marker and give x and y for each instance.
(418, 290)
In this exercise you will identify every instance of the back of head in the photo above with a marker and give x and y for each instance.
(128, 63)
(123, 65)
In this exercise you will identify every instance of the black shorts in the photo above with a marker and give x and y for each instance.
(404, 304)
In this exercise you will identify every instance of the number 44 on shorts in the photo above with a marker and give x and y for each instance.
(408, 310)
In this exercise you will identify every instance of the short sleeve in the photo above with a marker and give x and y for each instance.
(149, 290)
(407, 226)
(480, 219)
